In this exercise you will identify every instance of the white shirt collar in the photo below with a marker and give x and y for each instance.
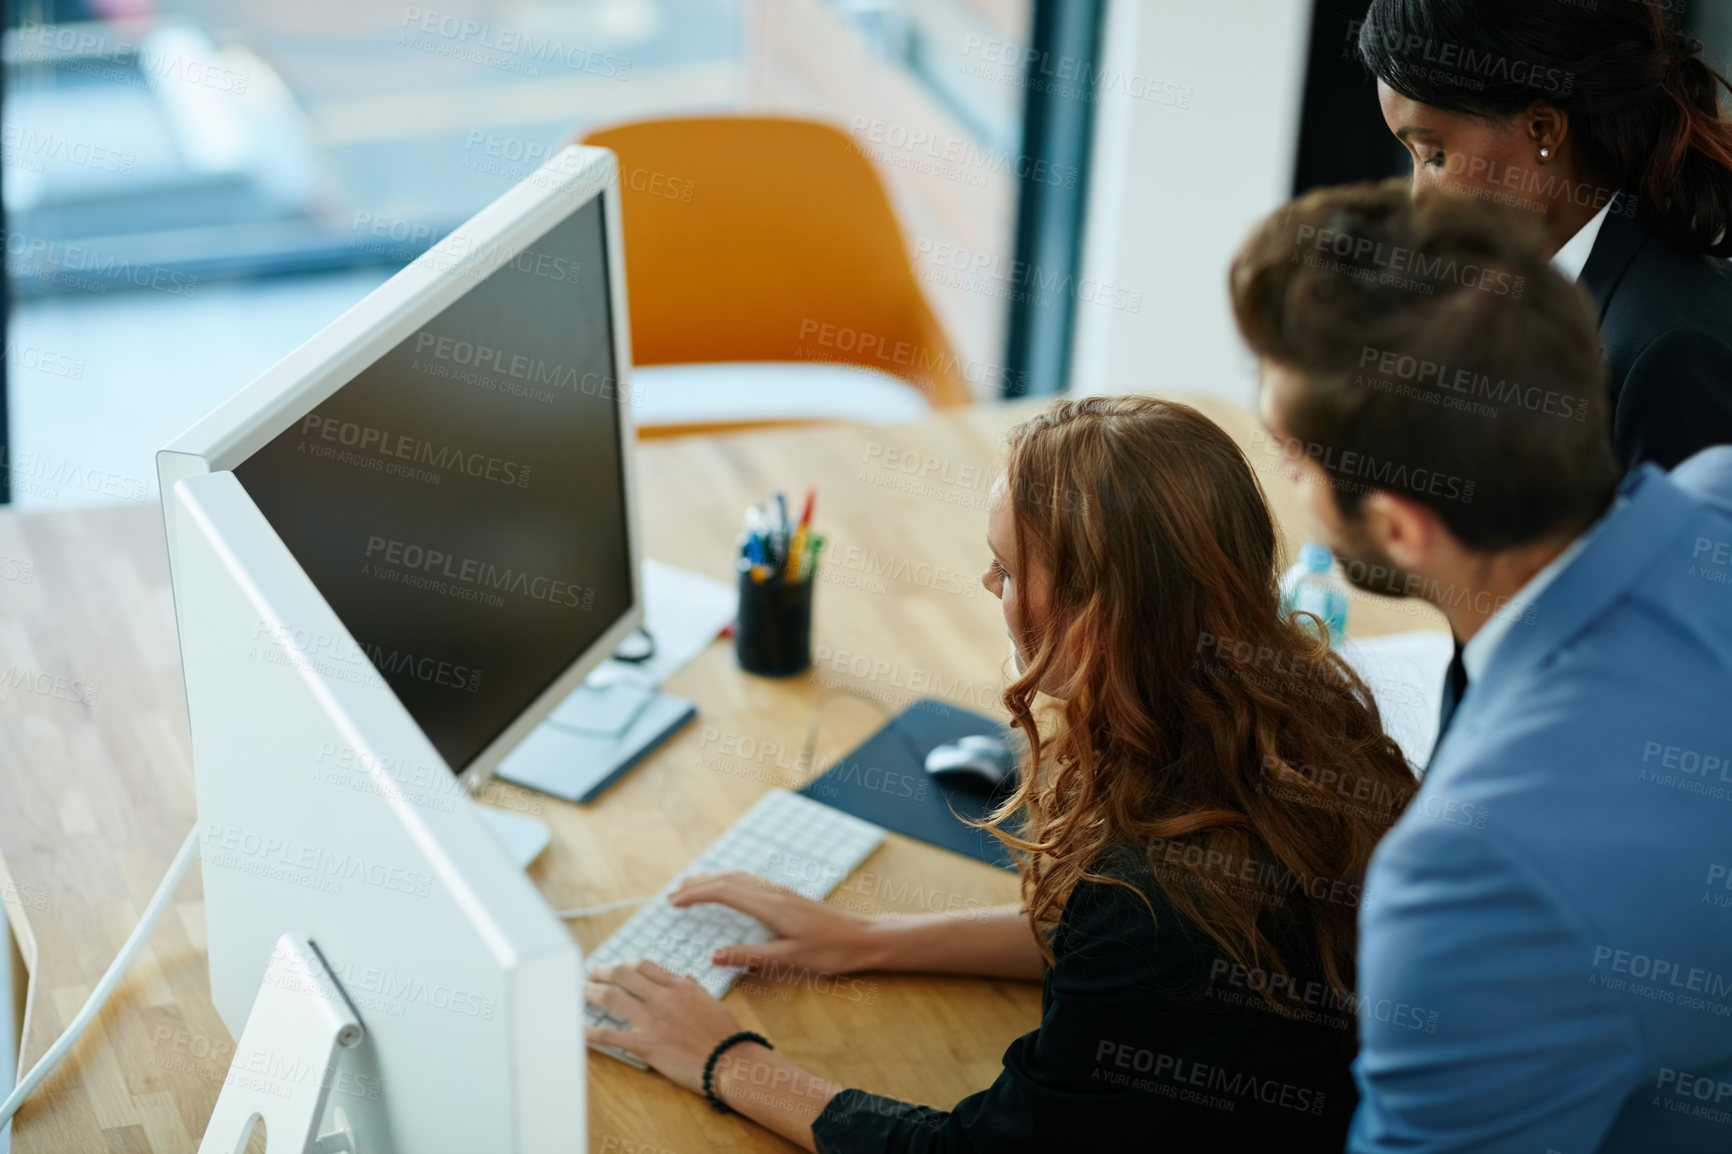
(1573, 257)
(1476, 653)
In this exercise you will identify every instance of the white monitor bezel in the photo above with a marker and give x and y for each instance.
(334, 356)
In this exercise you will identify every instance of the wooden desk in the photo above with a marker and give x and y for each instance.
(96, 781)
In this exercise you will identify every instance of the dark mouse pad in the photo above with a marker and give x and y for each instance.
(885, 782)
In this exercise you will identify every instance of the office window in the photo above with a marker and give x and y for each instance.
(193, 187)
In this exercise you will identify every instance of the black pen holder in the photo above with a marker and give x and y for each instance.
(773, 637)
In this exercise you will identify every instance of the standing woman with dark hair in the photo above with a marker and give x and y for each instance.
(1608, 126)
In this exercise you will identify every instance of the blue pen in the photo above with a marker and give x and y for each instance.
(754, 544)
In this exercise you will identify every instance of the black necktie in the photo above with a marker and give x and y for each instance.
(1454, 685)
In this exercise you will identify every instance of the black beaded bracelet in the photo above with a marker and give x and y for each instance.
(725, 1044)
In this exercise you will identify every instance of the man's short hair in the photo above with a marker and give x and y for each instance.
(1439, 356)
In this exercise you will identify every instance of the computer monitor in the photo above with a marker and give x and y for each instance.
(393, 555)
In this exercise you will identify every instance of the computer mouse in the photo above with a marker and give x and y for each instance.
(978, 760)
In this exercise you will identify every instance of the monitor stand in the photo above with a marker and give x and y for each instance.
(301, 1022)
(524, 837)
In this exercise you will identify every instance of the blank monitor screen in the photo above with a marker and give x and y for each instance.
(460, 503)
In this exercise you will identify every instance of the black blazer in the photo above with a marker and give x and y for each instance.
(1148, 1041)
(1666, 328)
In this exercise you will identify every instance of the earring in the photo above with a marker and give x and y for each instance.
(1545, 154)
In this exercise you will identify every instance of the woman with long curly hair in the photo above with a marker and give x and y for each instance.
(1204, 785)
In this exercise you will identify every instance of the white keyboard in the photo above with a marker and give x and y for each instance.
(787, 839)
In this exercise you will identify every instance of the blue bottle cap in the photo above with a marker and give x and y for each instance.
(1316, 558)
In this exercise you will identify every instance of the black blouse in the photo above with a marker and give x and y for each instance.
(1149, 1040)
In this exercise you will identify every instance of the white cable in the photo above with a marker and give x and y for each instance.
(604, 908)
(140, 934)
(116, 970)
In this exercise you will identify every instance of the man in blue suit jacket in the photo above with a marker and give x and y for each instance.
(1546, 935)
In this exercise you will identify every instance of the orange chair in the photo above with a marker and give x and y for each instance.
(767, 239)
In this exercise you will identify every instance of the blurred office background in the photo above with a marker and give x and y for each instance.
(194, 187)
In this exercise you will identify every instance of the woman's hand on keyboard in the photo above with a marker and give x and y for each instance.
(674, 1023)
(809, 935)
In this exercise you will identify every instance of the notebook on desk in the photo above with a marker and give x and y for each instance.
(885, 782)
